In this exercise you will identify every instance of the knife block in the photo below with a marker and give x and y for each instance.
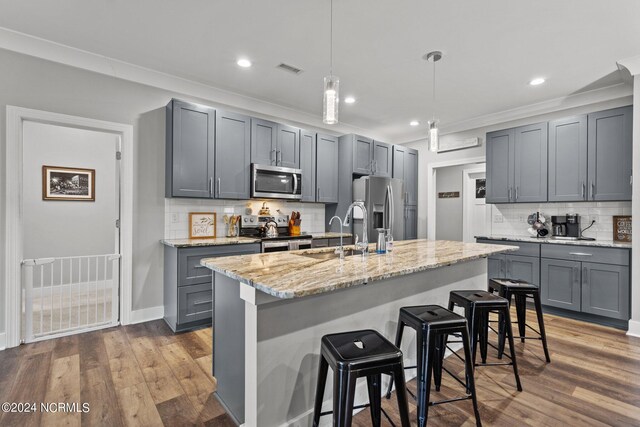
(294, 230)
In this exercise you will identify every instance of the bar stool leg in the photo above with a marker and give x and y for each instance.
(468, 368)
(426, 355)
(401, 394)
(509, 332)
(484, 335)
(322, 380)
(521, 311)
(373, 386)
(399, 331)
(473, 320)
(438, 359)
(501, 325)
(538, 305)
(344, 390)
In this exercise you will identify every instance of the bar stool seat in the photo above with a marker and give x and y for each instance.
(521, 290)
(432, 323)
(477, 305)
(352, 355)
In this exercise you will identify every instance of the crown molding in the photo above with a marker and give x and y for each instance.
(45, 49)
(631, 64)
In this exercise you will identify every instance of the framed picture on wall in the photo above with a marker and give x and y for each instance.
(202, 225)
(481, 191)
(68, 184)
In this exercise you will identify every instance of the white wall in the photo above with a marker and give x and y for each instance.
(68, 228)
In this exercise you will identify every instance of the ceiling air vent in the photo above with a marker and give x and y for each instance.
(289, 68)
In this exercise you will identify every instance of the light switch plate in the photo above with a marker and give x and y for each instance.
(498, 218)
(175, 218)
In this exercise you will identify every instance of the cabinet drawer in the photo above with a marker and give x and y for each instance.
(195, 302)
(524, 248)
(190, 272)
(614, 256)
(320, 243)
(336, 241)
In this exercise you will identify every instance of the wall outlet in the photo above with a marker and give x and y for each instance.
(498, 218)
(175, 218)
(522, 218)
(229, 210)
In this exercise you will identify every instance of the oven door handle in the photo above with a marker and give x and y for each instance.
(267, 245)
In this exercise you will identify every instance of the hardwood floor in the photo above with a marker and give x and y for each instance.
(144, 375)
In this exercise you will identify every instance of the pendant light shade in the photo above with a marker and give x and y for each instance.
(434, 142)
(330, 101)
(434, 138)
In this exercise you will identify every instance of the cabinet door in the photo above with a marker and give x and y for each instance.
(411, 223)
(606, 290)
(496, 267)
(288, 151)
(530, 164)
(399, 154)
(568, 159)
(191, 150)
(560, 284)
(308, 165)
(382, 159)
(610, 156)
(523, 268)
(233, 156)
(362, 155)
(264, 142)
(326, 169)
(411, 176)
(500, 166)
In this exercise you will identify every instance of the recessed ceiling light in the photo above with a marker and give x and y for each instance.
(244, 63)
(349, 100)
(414, 123)
(537, 81)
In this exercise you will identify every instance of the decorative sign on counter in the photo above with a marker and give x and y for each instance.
(449, 195)
(202, 225)
(622, 229)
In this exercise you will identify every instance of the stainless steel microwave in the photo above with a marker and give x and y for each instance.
(275, 182)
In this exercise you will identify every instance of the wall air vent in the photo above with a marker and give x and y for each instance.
(289, 68)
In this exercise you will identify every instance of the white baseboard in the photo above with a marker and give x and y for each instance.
(634, 328)
(146, 314)
(3, 341)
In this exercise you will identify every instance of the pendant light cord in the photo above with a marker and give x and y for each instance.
(331, 41)
(434, 89)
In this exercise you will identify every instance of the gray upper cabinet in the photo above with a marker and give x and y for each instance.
(189, 150)
(264, 142)
(288, 147)
(568, 159)
(530, 164)
(362, 155)
(308, 165)
(405, 167)
(327, 170)
(610, 157)
(560, 284)
(500, 174)
(605, 290)
(233, 156)
(382, 159)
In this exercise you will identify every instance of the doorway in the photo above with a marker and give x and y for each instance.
(68, 225)
(474, 207)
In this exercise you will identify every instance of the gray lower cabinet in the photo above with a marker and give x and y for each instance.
(189, 167)
(327, 169)
(610, 157)
(568, 159)
(606, 290)
(411, 222)
(330, 243)
(308, 165)
(560, 284)
(188, 285)
(515, 267)
(233, 156)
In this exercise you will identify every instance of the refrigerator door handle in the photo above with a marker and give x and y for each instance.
(391, 207)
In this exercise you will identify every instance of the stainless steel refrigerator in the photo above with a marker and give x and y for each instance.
(384, 200)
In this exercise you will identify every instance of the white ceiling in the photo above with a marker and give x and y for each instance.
(492, 49)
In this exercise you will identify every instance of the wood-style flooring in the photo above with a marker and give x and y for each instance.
(144, 375)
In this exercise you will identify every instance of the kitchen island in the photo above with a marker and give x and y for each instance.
(270, 311)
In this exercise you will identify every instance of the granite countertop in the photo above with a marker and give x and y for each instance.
(528, 239)
(329, 235)
(215, 241)
(294, 275)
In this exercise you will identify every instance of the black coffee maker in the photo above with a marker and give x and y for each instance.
(566, 227)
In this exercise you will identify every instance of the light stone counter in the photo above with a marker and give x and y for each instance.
(271, 310)
(329, 235)
(216, 241)
(551, 241)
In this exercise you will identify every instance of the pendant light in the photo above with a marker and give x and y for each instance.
(331, 87)
(434, 143)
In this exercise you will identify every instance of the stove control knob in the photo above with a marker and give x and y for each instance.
(251, 219)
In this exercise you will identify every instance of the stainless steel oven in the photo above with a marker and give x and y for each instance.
(275, 182)
(285, 245)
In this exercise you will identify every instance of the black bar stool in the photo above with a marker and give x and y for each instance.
(520, 290)
(477, 305)
(353, 355)
(432, 323)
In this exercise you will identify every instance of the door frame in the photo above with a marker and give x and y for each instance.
(431, 188)
(466, 179)
(16, 116)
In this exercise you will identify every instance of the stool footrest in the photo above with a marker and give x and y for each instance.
(495, 364)
(366, 405)
(455, 399)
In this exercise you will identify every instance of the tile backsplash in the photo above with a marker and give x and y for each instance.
(511, 219)
(176, 213)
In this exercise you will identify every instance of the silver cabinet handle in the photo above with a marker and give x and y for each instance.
(576, 271)
(272, 158)
(593, 190)
(580, 254)
(583, 189)
(218, 187)
(585, 273)
(509, 195)
(503, 269)
(516, 193)
(279, 160)
(318, 199)
(202, 302)
(210, 186)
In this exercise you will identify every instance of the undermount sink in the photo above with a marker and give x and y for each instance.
(330, 255)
